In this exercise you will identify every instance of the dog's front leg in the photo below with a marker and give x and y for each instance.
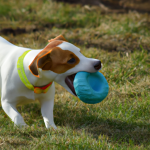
(11, 110)
(47, 103)
(47, 113)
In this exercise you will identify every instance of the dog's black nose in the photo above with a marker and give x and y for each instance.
(97, 65)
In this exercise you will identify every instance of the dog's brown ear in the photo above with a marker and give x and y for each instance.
(42, 60)
(60, 37)
(33, 68)
(45, 62)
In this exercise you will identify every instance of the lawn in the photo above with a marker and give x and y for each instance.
(121, 41)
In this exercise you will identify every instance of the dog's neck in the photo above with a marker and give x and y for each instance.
(43, 78)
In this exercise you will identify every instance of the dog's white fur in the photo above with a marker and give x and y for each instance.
(14, 92)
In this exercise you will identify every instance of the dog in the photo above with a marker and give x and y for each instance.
(27, 75)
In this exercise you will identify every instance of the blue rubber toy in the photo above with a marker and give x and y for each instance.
(91, 88)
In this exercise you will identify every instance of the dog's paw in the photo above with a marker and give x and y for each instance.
(54, 126)
(48, 125)
(18, 120)
(21, 126)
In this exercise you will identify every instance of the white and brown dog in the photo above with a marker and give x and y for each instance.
(27, 75)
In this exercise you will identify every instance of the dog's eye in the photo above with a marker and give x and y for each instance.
(71, 61)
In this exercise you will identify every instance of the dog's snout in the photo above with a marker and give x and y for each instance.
(97, 65)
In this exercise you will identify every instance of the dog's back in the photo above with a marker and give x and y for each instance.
(5, 49)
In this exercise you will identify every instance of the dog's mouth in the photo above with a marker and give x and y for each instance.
(69, 81)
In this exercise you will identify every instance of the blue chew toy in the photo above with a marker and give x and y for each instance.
(91, 88)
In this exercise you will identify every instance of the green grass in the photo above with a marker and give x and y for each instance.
(5, 9)
(121, 42)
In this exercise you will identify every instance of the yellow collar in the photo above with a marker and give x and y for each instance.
(24, 78)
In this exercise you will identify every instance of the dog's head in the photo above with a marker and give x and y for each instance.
(60, 61)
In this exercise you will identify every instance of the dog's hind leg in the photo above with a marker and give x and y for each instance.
(11, 111)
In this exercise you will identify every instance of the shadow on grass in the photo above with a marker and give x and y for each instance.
(116, 130)
(80, 118)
